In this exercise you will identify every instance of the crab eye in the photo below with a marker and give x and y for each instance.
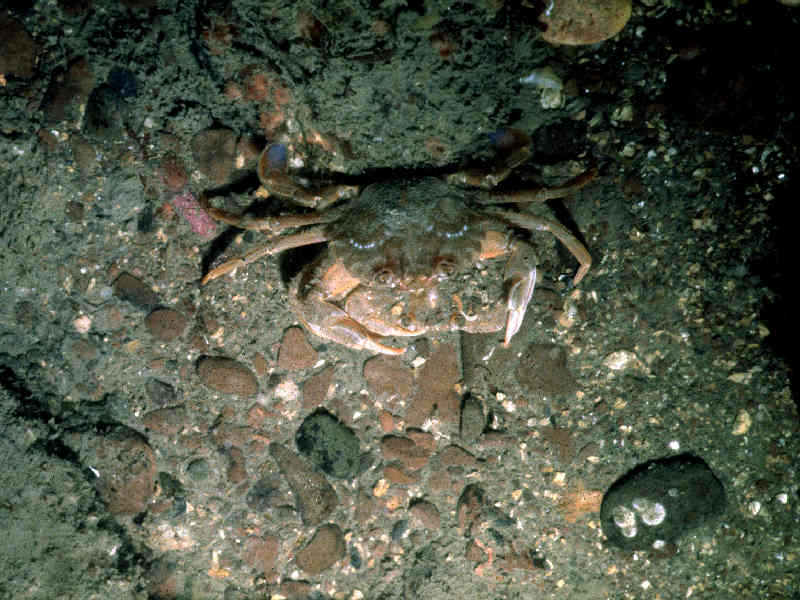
(384, 276)
(444, 267)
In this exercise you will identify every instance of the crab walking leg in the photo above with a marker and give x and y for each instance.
(271, 224)
(328, 321)
(272, 172)
(304, 238)
(541, 194)
(534, 223)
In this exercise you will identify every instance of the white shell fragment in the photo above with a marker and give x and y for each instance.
(622, 360)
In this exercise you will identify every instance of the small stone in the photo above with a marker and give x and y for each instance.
(134, 290)
(325, 548)
(160, 393)
(743, 423)
(315, 389)
(473, 421)
(199, 220)
(166, 324)
(261, 553)
(329, 444)
(17, 49)
(661, 500)
(82, 324)
(214, 153)
(427, 514)
(125, 466)
(236, 471)
(453, 456)
(437, 380)
(470, 505)
(394, 474)
(315, 497)
(543, 371)
(296, 353)
(389, 377)
(622, 360)
(227, 376)
(579, 22)
(167, 421)
(404, 450)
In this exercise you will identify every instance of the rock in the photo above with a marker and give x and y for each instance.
(159, 392)
(214, 153)
(543, 371)
(166, 324)
(167, 421)
(296, 353)
(329, 444)
(262, 552)
(427, 514)
(316, 498)
(578, 22)
(473, 421)
(125, 464)
(134, 290)
(437, 380)
(325, 548)
(471, 504)
(659, 501)
(388, 376)
(315, 388)
(227, 376)
(404, 450)
(17, 49)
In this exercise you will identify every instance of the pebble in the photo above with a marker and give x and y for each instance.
(579, 22)
(470, 504)
(166, 324)
(404, 450)
(323, 551)
(17, 49)
(159, 392)
(227, 376)
(389, 377)
(125, 466)
(315, 497)
(262, 552)
(329, 444)
(296, 353)
(214, 152)
(437, 380)
(316, 387)
(167, 421)
(426, 514)
(134, 290)
(473, 421)
(543, 371)
(660, 501)
(187, 206)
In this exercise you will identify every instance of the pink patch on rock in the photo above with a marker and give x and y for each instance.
(188, 207)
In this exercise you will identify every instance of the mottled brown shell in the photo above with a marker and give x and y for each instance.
(408, 229)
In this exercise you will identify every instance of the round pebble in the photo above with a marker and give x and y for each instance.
(579, 22)
(659, 501)
(325, 548)
(166, 324)
(329, 444)
(227, 376)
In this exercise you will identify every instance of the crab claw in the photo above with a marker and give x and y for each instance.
(326, 320)
(519, 296)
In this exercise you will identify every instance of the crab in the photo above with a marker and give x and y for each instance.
(399, 252)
